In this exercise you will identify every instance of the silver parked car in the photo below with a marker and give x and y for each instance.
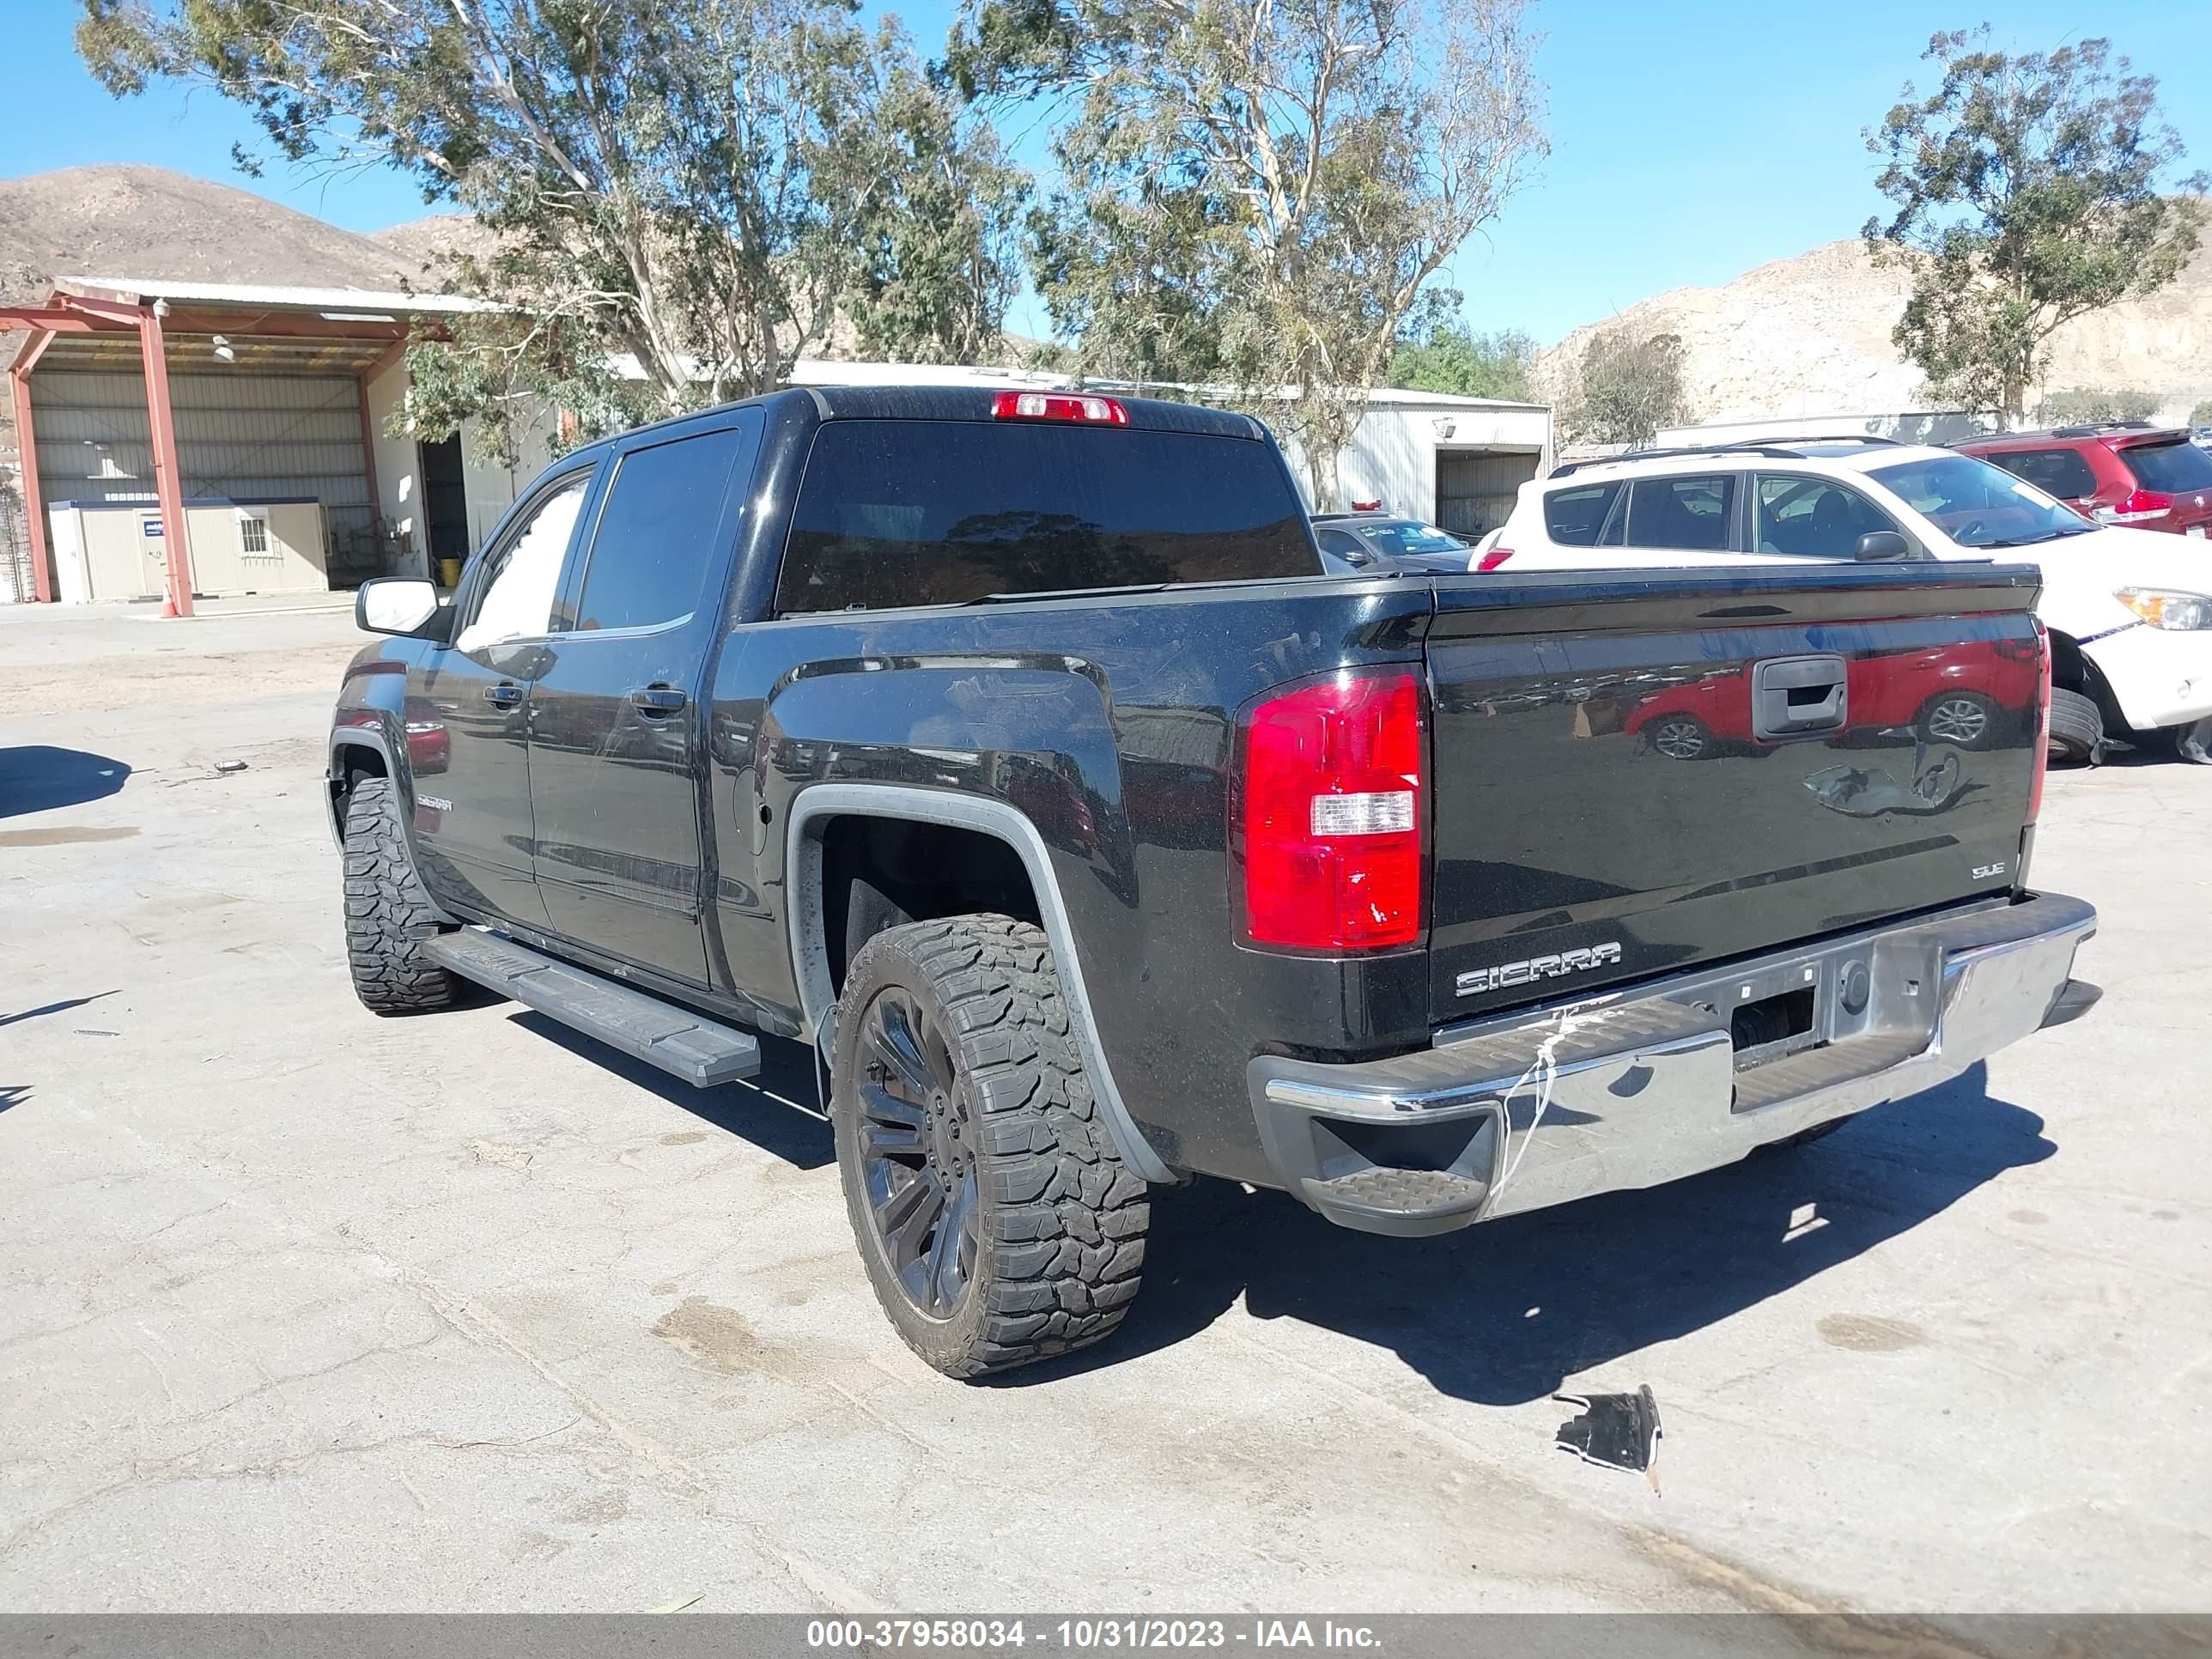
(1363, 541)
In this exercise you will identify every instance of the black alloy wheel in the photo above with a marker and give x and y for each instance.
(918, 1153)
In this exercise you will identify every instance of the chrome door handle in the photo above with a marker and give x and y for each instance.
(505, 694)
(658, 699)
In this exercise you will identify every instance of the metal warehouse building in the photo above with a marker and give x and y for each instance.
(182, 438)
(1458, 462)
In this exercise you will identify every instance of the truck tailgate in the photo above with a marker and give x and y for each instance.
(1631, 777)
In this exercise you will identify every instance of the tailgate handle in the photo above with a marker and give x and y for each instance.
(1792, 696)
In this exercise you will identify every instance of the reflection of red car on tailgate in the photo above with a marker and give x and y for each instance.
(1971, 694)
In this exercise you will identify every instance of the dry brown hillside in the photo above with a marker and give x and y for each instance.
(426, 247)
(130, 221)
(1810, 336)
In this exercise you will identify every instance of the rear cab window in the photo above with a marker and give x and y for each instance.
(2169, 467)
(894, 513)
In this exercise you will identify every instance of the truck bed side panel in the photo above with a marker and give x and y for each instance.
(1107, 724)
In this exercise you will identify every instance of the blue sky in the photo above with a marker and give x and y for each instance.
(1690, 142)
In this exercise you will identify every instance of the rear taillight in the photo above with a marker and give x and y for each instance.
(2138, 506)
(2042, 724)
(1079, 407)
(1326, 814)
(1491, 560)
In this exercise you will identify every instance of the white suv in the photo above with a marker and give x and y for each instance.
(2129, 611)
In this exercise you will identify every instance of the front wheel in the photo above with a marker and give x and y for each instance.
(2077, 728)
(388, 915)
(995, 1219)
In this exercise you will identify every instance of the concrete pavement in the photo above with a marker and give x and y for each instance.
(303, 1309)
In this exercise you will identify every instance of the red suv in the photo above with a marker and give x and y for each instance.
(2148, 477)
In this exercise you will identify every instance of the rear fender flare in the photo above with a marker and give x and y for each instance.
(810, 952)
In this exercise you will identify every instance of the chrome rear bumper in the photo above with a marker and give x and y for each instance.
(1646, 1085)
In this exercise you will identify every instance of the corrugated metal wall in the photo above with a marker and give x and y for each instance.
(237, 434)
(1390, 459)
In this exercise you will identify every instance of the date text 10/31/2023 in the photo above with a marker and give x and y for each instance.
(1085, 1635)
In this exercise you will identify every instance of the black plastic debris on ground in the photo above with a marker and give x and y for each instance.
(1617, 1431)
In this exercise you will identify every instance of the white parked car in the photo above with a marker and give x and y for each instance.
(2129, 611)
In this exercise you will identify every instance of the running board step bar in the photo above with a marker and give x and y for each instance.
(700, 1051)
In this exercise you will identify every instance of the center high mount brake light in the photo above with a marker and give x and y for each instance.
(1080, 407)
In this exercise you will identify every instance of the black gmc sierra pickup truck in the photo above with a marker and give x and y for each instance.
(1013, 750)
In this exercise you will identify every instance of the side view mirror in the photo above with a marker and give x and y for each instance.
(405, 605)
(1882, 544)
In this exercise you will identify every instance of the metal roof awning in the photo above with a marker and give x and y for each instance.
(91, 323)
(330, 304)
(213, 351)
(153, 328)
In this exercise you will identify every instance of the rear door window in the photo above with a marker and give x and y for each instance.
(1573, 517)
(1807, 518)
(2061, 472)
(655, 539)
(902, 513)
(2171, 466)
(1695, 514)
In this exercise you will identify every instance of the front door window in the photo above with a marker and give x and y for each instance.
(516, 601)
(1809, 518)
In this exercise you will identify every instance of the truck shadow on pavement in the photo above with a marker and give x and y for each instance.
(1501, 1313)
(800, 1137)
(39, 778)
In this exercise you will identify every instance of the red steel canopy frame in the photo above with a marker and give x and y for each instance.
(69, 314)
(369, 344)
